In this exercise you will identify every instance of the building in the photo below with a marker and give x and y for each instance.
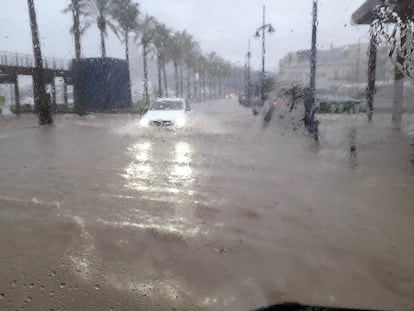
(335, 67)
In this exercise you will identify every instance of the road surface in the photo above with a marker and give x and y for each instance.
(97, 214)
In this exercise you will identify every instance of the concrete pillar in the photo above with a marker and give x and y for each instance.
(53, 91)
(16, 96)
(65, 92)
(372, 68)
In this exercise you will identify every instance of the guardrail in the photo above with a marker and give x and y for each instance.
(27, 61)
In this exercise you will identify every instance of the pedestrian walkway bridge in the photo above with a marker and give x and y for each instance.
(13, 65)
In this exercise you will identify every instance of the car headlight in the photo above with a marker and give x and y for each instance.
(180, 122)
(144, 122)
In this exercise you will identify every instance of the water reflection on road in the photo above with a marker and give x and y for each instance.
(157, 170)
(226, 216)
(181, 173)
(139, 170)
(161, 171)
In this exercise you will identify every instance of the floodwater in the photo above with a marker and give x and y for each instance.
(97, 214)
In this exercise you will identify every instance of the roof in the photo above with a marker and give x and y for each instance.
(365, 13)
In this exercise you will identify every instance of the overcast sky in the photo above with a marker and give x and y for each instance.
(224, 26)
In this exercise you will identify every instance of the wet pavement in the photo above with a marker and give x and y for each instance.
(97, 214)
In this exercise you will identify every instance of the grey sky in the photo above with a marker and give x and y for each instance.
(224, 26)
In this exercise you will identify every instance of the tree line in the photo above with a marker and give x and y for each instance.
(205, 74)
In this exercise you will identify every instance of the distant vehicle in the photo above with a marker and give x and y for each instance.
(242, 99)
(166, 112)
(231, 95)
(245, 101)
(338, 104)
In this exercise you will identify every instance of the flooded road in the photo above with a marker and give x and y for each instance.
(97, 214)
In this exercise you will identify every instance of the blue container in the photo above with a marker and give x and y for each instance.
(101, 84)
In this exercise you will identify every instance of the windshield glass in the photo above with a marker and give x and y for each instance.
(224, 155)
(167, 105)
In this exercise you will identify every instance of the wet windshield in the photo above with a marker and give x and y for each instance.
(206, 155)
(167, 105)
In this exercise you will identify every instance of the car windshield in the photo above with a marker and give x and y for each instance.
(167, 105)
(203, 155)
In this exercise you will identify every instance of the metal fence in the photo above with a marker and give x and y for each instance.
(27, 61)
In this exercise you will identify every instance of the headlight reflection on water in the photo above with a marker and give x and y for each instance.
(155, 170)
(140, 170)
(181, 170)
(161, 172)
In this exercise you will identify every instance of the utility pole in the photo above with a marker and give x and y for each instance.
(265, 27)
(249, 84)
(358, 65)
(245, 77)
(310, 109)
(42, 103)
(263, 56)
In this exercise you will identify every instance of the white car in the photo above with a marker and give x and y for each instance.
(171, 112)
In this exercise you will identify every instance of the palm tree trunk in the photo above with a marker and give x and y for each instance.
(214, 88)
(204, 86)
(181, 81)
(165, 79)
(189, 95)
(144, 55)
(41, 102)
(195, 85)
(78, 52)
(128, 68)
(76, 28)
(159, 77)
(220, 85)
(176, 79)
(103, 48)
(210, 90)
(188, 83)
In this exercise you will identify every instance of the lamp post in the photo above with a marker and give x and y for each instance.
(248, 91)
(310, 107)
(262, 29)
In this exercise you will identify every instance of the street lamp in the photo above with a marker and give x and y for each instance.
(261, 31)
(310, 107)
(248, 91)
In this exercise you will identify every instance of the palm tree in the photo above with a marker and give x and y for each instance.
(76, 27)
(162, 40)
(42, 103)
(145, 34)
(78, 9)
(176, 55)
(166, 60)
(203, 68)
(224, 71)
(125, 14)
(198, 70)
(180, 42)
(191, 50)
(100, 11)
(75, 8)
(213, 67)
